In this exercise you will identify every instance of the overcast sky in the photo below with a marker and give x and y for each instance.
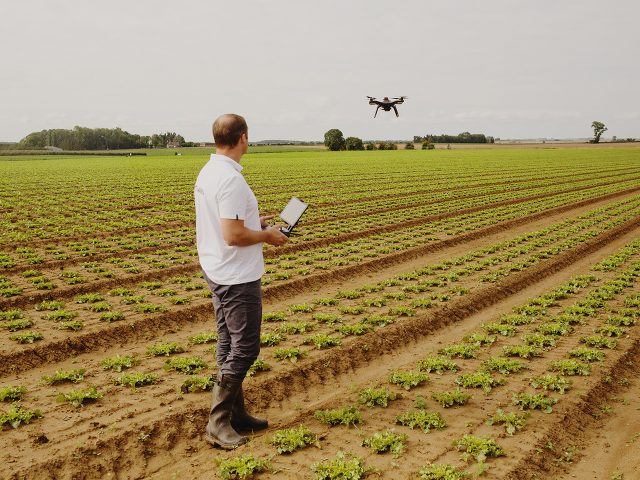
(296, 68)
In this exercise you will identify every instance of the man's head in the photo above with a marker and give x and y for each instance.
(230, 132)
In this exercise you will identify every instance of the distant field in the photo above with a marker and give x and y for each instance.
(503, 278)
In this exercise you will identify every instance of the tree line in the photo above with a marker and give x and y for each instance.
(464, 137)
(82, 138)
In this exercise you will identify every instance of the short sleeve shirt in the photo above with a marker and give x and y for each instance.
(221, 192)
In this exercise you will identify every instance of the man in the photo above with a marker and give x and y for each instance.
(230, 234)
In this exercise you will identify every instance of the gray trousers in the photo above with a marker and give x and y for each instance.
(238, 311)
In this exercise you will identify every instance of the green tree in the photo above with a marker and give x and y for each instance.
(354, 143)
(371, 146)
(410, 146)
(334, 140)
(598, 130)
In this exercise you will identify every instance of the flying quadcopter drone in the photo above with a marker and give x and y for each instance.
(386, 104)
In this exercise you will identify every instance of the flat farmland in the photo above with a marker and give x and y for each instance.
(440, 315)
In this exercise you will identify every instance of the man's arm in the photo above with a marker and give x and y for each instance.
(237, 235)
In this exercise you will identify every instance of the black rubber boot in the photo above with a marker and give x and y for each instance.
(240, 418)
(219, 430)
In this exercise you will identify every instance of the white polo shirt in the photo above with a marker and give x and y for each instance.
(222, 192)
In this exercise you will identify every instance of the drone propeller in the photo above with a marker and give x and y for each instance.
(370, 98)
(400, 98)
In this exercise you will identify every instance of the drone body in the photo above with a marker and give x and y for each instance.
(386, 104)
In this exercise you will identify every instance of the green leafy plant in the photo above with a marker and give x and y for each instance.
(587, 354)
(621, 321)
(408, 380)
(242, 467)
(301, 308)
(452, 398)
(74, 325)
(358, 328)
(112, 317)
(402, 311)
(538, 401)
(60, 315)
(460, 350)
(17, 416)
(558, 329)
(274, 317)
(343, 467)
(12, 394)
(50, 305)
(539, 340)
(610, 331)
(327, 318)
(135, 380)
(132, 300)
(478, 448)
(387, 441)
(422, 303)
(203, 337)
(149, 308)
(78, 398)
(355, 310)
(293, 354)
(26, 337)
(322, 341)
(89, 298)
(99, 307)
(342, 416)
(500, 328)
(379, 320)
(551, 382)
(570, 367)
(15, 325)
(372, 397)
(198, 384)
(441, 472)
(164, 349)
(61, 376)
(505, 366)
(271, 339)
(482, 380)
(374, 302)
(349, 294)
(326, 301)
(258, 366)
(289, 440)
(422, 419)
(187, 365)
(522, 351)
(295, 328)
(599, 342)
(119, 363)
(437, 365)
(512, 421)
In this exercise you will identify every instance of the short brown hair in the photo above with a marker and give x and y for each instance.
(228, 128)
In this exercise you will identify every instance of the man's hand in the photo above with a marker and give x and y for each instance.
(263, 220)
(275, 237)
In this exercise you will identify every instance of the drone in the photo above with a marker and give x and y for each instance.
(386, 104)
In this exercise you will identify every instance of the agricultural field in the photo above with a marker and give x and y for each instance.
(442, 314)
